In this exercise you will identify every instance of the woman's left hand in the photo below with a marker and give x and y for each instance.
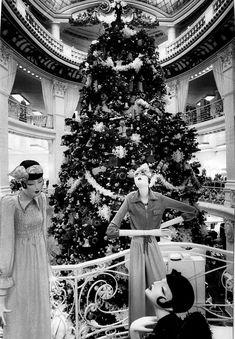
(144, 324)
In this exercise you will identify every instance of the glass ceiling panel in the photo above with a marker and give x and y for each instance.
(168, 6)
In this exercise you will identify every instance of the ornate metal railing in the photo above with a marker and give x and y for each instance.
(66, 52)
(88, 292)
(25, 114)
(204, 113)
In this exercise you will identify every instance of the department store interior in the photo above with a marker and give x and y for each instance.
(43, 43)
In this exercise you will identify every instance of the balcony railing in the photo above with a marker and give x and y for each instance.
(59, 48)
(166, 51)
(87, 291)
(194, 31)
(25, 114)
(204, 113)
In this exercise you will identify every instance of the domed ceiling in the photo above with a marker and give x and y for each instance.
(168, 6)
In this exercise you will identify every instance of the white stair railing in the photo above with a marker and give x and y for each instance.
(97, 289)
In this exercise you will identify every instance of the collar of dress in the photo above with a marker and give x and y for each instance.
(26, 201)
(152, 196)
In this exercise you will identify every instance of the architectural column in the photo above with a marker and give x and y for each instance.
(0, 14)
(228, 62)
(55, 148)
(55, 30)
(6, 78)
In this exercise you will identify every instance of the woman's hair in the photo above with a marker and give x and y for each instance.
(182, 293)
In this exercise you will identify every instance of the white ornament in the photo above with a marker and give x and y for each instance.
(95, 198)
(178, 156)
(99, 127)
(136, 138)
(137, 64)
(119, 151)
(104, 212)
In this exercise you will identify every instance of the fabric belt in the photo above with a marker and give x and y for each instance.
(147, 239)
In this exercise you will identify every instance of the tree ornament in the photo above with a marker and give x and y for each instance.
(136, 138)
(119, 151)
(104, 212)
(99, 127)
(88, 80)
(95, 198)
(178, 156)
(122, 128)
(86, 243)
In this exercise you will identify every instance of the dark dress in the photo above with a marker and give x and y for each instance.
(193, 326)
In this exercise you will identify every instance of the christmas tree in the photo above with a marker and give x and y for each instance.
(122, 124)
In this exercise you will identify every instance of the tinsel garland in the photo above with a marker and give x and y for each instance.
(135, 64)
(100, 189)
(112, 195)
(74, 186)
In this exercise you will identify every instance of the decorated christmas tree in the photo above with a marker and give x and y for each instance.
(122, 124)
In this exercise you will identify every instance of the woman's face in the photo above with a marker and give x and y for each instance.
(34, 187)
(159, 289)
(141, 180)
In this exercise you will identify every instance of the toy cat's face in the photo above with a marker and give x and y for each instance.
(159, 289)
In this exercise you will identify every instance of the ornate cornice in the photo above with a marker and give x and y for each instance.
(4, 55)
(227, 57)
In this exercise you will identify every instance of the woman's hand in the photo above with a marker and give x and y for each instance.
(144, 324)
(112, 231)
(3, 310)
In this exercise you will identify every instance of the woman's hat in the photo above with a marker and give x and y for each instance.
(27, 170)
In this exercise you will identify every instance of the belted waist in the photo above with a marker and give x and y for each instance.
(28, 233)
(147, 239)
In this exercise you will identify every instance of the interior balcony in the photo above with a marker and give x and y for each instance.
(209, 33)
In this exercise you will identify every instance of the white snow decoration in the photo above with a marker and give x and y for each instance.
(99, 127)
(104, 212)
(178, 156)
(109, 62)
(119, 151)
(136, 138)
(135, 64)
(95, 198)
(101, 189)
